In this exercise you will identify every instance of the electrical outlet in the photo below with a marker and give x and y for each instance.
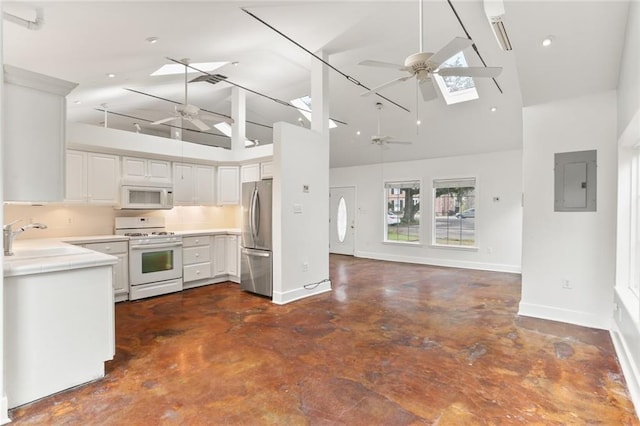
(566, 284)
(305, 266)
(69, 221)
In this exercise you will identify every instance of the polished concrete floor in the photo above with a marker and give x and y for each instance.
(392, 344)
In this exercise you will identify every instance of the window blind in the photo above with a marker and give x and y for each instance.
(454, 183)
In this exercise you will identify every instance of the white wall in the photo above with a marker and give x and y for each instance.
(78, 220)
(557, 246)
(626, 319)
(300, 157)
(499, 224)
(4, 406)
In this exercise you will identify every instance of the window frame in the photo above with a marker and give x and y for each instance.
(385, 229)
(461, 247)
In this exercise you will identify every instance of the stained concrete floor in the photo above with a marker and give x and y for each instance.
(392, 344)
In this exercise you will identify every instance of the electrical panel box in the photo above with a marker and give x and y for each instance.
(575, 181)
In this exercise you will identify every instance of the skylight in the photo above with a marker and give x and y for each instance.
(304, 106)
(170, 69)
(456, 89)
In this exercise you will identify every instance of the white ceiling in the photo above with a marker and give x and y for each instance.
(83, 41)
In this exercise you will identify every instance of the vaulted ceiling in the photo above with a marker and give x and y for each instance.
(82, 42)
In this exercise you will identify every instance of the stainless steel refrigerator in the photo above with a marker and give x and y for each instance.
(256, 269)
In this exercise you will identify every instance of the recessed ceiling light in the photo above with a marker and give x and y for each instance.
(546, 42)
(493, 109)
(418, 122)
(111, 75)
(152, 40)
(358, 133)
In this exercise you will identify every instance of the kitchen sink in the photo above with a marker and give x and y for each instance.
(31, 252)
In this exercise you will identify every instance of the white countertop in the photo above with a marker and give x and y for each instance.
(93, 239)
(37, 256)
(212, 231)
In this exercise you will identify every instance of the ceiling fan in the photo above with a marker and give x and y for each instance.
(191, 113)
(380, 140)
(423, 65)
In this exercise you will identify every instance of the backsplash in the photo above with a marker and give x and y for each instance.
(78, 220)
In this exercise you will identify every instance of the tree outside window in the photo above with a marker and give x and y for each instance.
(403, 211)
(454, 212)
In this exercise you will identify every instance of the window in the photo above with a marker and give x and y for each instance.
(634, 281)
(456, 89)
(402, 205)
(454, 212)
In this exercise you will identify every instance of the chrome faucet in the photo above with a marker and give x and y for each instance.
(8, 234)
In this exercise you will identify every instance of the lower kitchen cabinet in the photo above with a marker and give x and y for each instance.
(227, 257)
(119, 249)
(196, 261)
(233, 257)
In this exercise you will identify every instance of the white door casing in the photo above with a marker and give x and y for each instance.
(342, 221)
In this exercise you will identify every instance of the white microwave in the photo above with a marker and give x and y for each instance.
(140, 197)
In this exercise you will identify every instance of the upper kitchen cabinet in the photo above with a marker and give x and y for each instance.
(142, 169)
(250, 173)
(34, 116)
(193, 184)
(266, 170)
(228, 185)
(92, 178)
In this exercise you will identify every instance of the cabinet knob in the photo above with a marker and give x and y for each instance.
(108, 248)
(197, 241)
(197, 254)
(197, 272)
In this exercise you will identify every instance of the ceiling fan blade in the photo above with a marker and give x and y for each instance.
(165, 120)
(490, 72)
(387, 84)
(381, 64)
(428, 89)
(454, 46)
(199, 123)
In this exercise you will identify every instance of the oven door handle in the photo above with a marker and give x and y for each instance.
(154, 246)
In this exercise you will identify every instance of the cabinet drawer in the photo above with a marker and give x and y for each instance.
(196, 272)
(192, 255)
(204, 240)
(109, 248)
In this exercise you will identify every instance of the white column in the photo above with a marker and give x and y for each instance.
(4, 412)
(239, 115)
(320, 96)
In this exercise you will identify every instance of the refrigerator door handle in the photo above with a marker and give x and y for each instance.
(254, 206)
(256, 253)
(257, 213)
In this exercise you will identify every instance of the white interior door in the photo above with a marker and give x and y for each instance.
(342, 222)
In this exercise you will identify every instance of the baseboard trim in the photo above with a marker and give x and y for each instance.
(629, 369)
(583, 319)
(4, 415)
(282, 298)
(450, 263)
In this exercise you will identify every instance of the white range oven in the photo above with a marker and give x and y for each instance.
(155, 256)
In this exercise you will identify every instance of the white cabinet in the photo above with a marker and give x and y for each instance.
(119, 249)
(233, 256)
(220, 255)
(228, 185)
(196, 260)
(92, 178)
(250, 173)
(33, 117)
(266, 170)
(142, 169)
(226, 249)
(193, 184)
